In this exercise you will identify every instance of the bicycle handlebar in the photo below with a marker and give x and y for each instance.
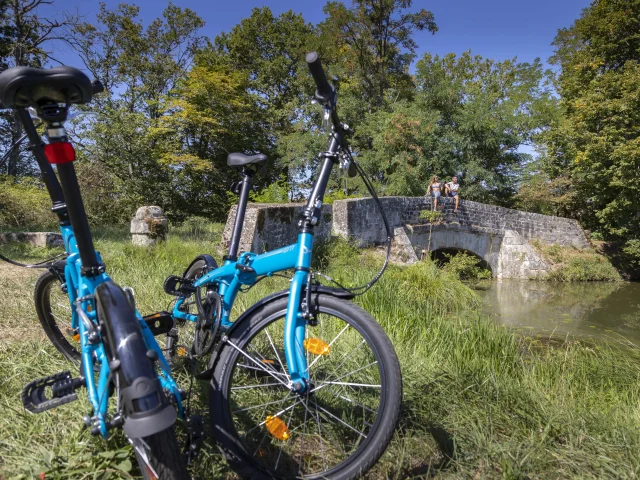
(97, 87)
(325, 90)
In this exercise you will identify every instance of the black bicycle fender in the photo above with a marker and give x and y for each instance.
(315, 290)
(144, 406)
(208, 260)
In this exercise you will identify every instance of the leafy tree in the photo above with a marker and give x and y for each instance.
(597, 143)
(373, 43)
(26, 38)
(469, 117)
(210, 114)
(271, 50)
(140, 68)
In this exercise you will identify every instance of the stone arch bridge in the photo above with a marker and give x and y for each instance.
(499, 236)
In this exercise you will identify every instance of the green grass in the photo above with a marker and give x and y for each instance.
(479, 400)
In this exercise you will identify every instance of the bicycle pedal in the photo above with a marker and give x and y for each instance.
(159, 323)
(61, 387)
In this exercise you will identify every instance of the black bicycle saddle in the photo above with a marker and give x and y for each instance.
(27, 86)
(240, 159)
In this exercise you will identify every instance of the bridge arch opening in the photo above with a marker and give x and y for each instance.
(443, 255)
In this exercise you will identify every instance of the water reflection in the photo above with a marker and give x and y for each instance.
(597, 310)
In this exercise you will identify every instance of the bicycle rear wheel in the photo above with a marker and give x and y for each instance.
(339, 428)
(159, 457)
(54, 312)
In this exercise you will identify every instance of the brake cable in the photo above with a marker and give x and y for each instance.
(43, 264)
(364, 288)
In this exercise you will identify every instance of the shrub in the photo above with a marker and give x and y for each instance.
(439, 288)
(570, 264)
(277, 192)
(25, 205)
(465, 267)
(337, 252)
(431, 216)
(631, 250)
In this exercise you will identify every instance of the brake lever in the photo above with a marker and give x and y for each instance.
(326, 118)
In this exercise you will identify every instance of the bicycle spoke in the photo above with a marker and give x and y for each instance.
(341, 421)
(345, 375)
(262, 405)
(274, 350)
(265, 362)
(350, 384)
(255, 386)
(249, 367)
(256, 362)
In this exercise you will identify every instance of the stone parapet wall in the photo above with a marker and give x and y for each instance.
(269, 226)
(38, 239)
(360, 219)
(500, 236)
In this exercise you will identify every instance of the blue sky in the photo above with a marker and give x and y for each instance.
(498, 29)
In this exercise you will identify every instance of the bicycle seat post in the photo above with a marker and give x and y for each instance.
(60, 152)
(245, 188)
(50, 180)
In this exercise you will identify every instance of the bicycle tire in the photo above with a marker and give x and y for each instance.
(165, 458)
(54, 327)
(237, 451)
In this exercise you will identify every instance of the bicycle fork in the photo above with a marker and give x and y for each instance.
(295, 322)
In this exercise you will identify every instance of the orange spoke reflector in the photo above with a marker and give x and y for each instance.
(182, 352)
(268, 361)
(316, 346)
(277, 428)
(76, 337)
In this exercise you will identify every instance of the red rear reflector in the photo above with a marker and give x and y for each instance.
(60, 152)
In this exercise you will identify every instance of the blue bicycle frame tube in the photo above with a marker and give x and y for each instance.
(230, 279)
(79, 286)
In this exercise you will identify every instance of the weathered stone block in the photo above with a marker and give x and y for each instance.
(149, 226)
(38, 239)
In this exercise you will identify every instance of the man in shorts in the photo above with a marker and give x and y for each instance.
(452, 190)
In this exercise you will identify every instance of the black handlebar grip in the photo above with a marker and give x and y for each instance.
(317, 72)
(97, 87)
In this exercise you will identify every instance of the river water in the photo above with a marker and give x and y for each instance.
(594, 310)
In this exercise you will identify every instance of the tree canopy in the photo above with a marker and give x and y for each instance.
(594, 146)
(176, 103)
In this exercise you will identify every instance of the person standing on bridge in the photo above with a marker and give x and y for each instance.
(434, 190)
(452, 190)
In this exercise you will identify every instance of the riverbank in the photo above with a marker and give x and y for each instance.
(479, 400)
(569, 264)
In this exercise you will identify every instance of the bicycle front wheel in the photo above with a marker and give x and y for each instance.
(339, 427)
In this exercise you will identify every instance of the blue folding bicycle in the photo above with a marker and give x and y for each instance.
(87, 316)
(304, 383)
